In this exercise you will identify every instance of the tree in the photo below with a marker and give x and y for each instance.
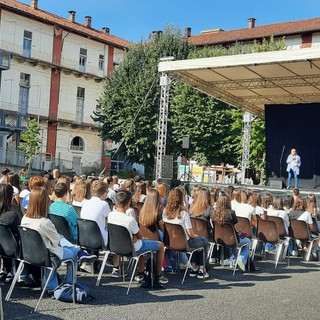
(130, 101)
(31, 140)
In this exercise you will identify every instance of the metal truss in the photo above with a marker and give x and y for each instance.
(165, 82)
(219, 94)
(245, 161)
(274, 82)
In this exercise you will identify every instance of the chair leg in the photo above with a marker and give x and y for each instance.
(254, 247)
(151, 254)
(204, 263)
(44, 288)
(136, 259)
(1, 306)
(105, 259)
(15, 279)
(188, 264)
(278, 253)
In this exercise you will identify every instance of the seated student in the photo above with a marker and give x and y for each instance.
(175, 213)
(36, 218)
(60, 207)
(97, 209)
(119, 217)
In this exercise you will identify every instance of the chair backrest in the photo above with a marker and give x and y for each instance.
(174, 237)
(314, 228)
(62, 226)
(78, 209)
(225, 234)
(299, 229)
(280, 225)
(34, 250)
(201, 227)
(89, 235)
(150, 233)
(8, 244)
(244, 226)
(267, 231)
(120, 241)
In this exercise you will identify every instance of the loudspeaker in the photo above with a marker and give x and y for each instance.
(167, 167)
(185, 142)
(276, 184)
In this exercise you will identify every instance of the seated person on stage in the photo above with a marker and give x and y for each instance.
(60, 207)
(118, 217)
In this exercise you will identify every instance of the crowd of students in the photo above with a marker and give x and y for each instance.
(136, 204)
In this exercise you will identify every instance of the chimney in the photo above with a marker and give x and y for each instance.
(187, 32)
(156, 34)
(251, 23)
(34, 4)
(87, 21)
(106, 30)
(72, 16)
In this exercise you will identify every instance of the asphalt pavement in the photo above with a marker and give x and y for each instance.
(288, 292)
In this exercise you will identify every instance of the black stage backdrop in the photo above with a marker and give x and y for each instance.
(293, 126)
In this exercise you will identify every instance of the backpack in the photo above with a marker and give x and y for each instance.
(64, 293)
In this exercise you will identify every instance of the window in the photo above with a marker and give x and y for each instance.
(101, 62)
(82, 60)
(27, 39)
(24, 94)
(77, 143)
(80, 105)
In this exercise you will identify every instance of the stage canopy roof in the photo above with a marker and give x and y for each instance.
(250, 81)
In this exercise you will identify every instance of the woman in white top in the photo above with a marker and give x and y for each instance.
(277, 211)
(244, 209)
(236, 199)
(175, 213)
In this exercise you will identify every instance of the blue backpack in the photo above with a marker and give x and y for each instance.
(64, 293)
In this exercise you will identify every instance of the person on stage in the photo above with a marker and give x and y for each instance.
(293, 168)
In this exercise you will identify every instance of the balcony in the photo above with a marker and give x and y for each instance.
(12, 121)
(4, 60)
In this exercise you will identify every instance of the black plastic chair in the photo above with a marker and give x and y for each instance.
(120, 243)
(34, 252)
(9, 248)
(62, 226)
(90, 238)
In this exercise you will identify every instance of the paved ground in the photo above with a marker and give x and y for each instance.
(283, 293)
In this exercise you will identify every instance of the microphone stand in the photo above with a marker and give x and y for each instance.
(281, 160)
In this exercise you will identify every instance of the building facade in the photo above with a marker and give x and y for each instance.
(56, 75)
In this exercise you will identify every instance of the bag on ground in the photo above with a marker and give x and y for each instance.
(64, 293)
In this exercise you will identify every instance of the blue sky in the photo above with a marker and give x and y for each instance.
(133, 20)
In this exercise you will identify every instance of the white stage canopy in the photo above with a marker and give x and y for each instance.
(250, 81)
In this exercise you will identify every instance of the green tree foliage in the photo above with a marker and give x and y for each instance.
(130, 106)
(31, 140)
(130, 102)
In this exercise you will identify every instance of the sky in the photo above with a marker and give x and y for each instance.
(133, 20)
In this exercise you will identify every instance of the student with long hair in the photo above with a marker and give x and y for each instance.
(175, 213)
(224, 214)
(36, 218)
(201, 207)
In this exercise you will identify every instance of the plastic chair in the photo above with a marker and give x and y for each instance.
(120, 243)
(34, 252)
(9, 247)
(150, 234)
(267, 232)
(90, 238)
(244, 225)
(62, 226)
(225, 235)
(175, 239)
(300, 230)
(203, 228)
(314, 228)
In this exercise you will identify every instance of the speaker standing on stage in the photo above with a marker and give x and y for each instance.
(293, 167)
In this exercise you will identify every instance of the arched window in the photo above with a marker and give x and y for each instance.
(77, 143)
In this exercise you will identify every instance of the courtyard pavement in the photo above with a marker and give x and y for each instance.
(288, 292)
